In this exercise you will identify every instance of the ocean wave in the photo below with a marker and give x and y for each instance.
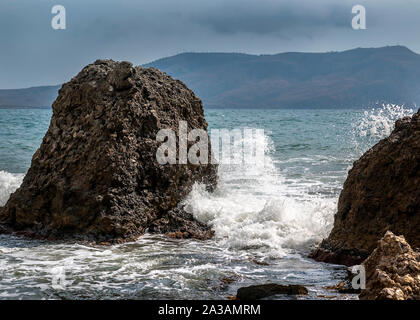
(253, 207)
(256, 206)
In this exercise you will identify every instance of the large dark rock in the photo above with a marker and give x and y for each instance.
(392, 271)
(381, 193)
(95, 175)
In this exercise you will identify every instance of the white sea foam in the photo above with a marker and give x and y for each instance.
(253, 207)
(9, 182)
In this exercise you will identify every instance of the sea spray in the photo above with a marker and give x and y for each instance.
(254, 208)
(376, 124)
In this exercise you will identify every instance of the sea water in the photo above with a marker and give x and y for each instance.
(266, 216)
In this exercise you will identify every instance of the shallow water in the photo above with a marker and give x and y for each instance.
(266, 216)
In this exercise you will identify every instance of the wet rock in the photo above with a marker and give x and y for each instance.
(95, 175)
(259, 262)
(183, 223)
(326, 253)
(346, 286)
(343, 287)
(229, 280)
(392, 271)
(381, 193)
(226, 281)
(266, 290)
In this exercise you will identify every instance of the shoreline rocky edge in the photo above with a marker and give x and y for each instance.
(95, 176)
(378, 218)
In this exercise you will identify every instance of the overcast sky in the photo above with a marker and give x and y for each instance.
(32, 53)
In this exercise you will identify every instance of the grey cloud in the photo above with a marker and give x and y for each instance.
(32, 53)
(277, 18)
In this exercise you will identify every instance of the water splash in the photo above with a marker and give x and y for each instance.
(377, 124)
(253, 208)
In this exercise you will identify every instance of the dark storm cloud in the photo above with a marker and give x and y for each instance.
(32, 53)
(277, 18)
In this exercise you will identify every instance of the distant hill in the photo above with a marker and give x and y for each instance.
(354, 78)
(30, 97)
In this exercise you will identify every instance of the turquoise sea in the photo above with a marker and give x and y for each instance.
(266, 216)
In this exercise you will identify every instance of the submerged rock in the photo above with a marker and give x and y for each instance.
(95, 175)
(381, 193)
(392, 271)
(266, 290)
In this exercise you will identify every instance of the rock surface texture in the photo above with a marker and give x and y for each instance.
(381, 193)
(392, 271)
(95, 175)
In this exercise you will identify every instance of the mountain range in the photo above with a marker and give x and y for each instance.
(354, 78)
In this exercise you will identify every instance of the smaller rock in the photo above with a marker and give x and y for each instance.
(226, 281)
(392, 271)
(324, 253)
(266, 290)
(178, 235)
(346, 286)
(260, 262)
(184, 222)
(343, 287)
(229, 280)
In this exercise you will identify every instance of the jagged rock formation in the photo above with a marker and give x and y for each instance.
(381, 193)
(392, 271)
(95, 175)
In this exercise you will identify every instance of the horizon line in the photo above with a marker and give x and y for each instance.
(233, 52)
